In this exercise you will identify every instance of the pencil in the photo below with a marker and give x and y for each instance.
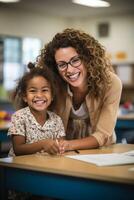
(76, 151)
(57, 142)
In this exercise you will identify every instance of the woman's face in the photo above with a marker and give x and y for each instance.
(71, 67)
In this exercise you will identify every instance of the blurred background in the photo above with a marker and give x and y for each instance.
(26, 26)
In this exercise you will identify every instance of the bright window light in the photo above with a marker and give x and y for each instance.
(92, 3)
(9, 1)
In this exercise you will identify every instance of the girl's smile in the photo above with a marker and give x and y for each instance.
(38, 94)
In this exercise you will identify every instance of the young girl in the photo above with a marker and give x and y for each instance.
(34, 128)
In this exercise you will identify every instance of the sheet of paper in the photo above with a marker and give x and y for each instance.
(105, 159)
(129, 153)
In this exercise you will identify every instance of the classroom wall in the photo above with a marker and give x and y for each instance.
(26, 24)
(120, 39)
(121, 34)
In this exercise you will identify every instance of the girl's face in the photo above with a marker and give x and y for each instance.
(38, 94)
(75, 73)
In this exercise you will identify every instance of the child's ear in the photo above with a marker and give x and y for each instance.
(24, 98)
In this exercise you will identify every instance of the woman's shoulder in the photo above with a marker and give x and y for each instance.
(116, 81)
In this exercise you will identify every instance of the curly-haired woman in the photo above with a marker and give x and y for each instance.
(89, 90)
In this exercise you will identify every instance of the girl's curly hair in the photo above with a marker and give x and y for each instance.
(34, 71)
(90, 50)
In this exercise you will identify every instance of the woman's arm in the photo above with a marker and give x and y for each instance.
(84, 143)
(106, 120)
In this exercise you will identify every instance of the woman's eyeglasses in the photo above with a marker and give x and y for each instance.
(74, 62)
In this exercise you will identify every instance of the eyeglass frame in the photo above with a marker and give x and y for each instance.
(69, 63)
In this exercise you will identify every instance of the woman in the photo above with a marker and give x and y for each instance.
(89, 90)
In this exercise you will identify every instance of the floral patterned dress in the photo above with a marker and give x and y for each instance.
(24, 123)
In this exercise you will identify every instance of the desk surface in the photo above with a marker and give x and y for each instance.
(129, 116)
(65, 166)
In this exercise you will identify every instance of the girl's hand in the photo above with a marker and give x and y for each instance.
(51, 146)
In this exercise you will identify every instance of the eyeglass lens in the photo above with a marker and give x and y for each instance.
(74, 62)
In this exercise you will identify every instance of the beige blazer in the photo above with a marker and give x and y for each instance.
(103, 112)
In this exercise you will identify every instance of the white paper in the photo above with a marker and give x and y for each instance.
(129, 153)
(106, 159)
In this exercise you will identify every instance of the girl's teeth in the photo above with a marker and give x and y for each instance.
(39, 101)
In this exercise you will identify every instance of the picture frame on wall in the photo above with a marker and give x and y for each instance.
(103, 29)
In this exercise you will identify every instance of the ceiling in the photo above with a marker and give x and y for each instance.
(65, 8)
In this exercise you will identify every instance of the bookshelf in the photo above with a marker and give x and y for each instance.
(125, 72)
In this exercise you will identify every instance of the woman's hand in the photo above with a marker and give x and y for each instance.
(64, 145)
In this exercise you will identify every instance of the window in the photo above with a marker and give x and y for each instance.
(30, 49)
(17, 52)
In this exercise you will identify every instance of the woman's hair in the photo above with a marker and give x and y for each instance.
(21, 88)
(90, 50)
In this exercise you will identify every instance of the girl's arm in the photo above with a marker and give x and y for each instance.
(21, 148)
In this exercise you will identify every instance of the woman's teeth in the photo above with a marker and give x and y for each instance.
(74, 76)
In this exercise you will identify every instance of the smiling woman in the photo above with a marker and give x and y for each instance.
(90, 89)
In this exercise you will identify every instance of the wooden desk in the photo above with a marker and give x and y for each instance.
(125, 124)
(3, 135)
(65, 178)
(129, 116)
(3, 131)
(4, 139)
(125, 121)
